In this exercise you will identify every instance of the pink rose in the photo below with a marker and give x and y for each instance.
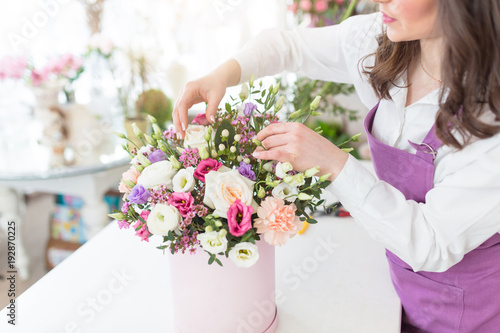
(293, 7)
(305, 5)
(239, 218)
(182, 201)
(320, 6)
(277, 221)
(200, 119)
(205, 166)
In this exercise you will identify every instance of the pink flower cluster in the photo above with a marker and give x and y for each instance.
(66, 66)
(159, 195)
(13, 68)
(190, 157)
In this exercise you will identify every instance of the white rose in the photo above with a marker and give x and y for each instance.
(184, 180)
(224, 186)
(244, 254)
(282, 169)
(195, 136)
(213, 241)
(283, 190)
(156, 174)
(162, 219)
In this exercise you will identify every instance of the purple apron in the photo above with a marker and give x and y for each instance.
(466, 297)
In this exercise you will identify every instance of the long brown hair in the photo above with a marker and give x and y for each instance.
(470, 72)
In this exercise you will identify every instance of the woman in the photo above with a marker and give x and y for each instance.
(432, 70)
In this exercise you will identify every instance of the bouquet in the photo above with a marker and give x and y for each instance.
(66, 67)
(208, 191)
(320, 13)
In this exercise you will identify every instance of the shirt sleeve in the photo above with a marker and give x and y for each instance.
(460, 213)
(319, 53)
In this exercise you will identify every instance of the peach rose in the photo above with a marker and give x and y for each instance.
(277, 221)
(130, 175)
(225, 186)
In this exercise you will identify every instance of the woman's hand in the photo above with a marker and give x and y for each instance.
(302, 147)
(209, 89)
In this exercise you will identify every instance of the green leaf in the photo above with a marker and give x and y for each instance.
(311, 221)
(228, 107)
(212, 259)
(218, 261)
(225, 124)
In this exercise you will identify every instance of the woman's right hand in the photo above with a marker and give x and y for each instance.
(209, 89)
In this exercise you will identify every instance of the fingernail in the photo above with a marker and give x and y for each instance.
(183, 126)
(212, 118)
(255, 154)
(178, 136)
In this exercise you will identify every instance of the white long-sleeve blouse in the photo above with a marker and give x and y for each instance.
(460, 212)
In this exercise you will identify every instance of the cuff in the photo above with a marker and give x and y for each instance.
(352, 184)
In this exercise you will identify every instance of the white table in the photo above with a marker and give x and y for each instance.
(333, 278)
(28, 169)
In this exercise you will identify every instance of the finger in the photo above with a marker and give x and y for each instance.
(278, 154)
(213, 101)
(274, 141)
(189, 98)
(273, 129)
(177, 123)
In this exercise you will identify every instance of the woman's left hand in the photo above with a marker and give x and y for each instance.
(302, 147)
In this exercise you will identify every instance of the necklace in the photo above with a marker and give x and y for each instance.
(432, 77)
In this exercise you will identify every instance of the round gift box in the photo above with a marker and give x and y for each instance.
(229, 299)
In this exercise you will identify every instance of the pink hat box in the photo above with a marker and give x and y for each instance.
(228, 299)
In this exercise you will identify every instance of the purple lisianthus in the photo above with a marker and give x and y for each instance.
(249, 108)
(157, 156)
(246, 171)
(138, 195)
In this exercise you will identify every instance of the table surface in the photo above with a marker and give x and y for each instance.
(333, 278)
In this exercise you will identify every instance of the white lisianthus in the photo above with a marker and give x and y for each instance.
(283, 190)
(268, 166)
(162, 219)
(184, 180)
(156, 174)
(244, 254)
(213, 241)
(283, 168)
(195, 136)
(224, 186)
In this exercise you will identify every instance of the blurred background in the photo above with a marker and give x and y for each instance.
(72, 72)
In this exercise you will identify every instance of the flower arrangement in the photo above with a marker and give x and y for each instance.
(208, 190)
(65, 68)
(320, 13)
